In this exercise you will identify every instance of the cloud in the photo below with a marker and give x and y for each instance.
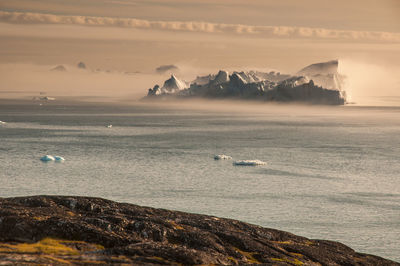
(203, 27)
(164, 68)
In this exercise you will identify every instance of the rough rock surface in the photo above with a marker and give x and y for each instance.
(83, 230)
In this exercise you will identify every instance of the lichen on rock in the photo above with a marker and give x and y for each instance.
(82, 230)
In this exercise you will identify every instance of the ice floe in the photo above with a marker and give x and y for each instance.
(249, 162)
(47, 158)
(222, 157)
(59, 158)
(50, 158)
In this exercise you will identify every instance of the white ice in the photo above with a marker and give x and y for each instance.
(222, 157)
(47, 158)
(249, 162)
(59, 158)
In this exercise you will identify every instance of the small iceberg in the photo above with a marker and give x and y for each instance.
(47, 158)
(59, 159)
(249, 162)
(50, 158)
(222, 157)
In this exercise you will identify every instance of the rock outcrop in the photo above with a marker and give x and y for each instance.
(83, 230)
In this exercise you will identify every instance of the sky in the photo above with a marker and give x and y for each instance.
(117, 37)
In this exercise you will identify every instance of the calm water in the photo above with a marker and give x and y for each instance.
(332, 173)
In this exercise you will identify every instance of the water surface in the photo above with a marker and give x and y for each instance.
(332, 173)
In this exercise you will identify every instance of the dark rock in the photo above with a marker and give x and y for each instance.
(83, 230)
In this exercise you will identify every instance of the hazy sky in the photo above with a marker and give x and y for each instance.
(199, 36)
(382, 15)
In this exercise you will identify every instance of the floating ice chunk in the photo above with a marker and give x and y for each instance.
(47, 158)
(109, 126)
(59, 158)
(222, 157)
(249, 162)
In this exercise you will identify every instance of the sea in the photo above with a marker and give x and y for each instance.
(331, 172)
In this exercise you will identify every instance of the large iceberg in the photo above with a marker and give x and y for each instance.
(171, 86)
(318, 83)
(325, 75)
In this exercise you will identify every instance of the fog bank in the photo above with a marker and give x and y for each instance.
(367, 83)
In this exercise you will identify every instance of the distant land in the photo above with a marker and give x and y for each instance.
(318, 83)
(87, 231)
(59, 68)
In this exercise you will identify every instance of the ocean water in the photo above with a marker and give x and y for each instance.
(332, 173)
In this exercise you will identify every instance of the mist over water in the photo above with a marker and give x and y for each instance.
(367, 82)
(331, 173)
(370, 83)
(27, 80)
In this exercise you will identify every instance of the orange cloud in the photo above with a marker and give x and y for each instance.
(204, 27)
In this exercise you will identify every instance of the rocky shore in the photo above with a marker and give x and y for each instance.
(82, 230)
